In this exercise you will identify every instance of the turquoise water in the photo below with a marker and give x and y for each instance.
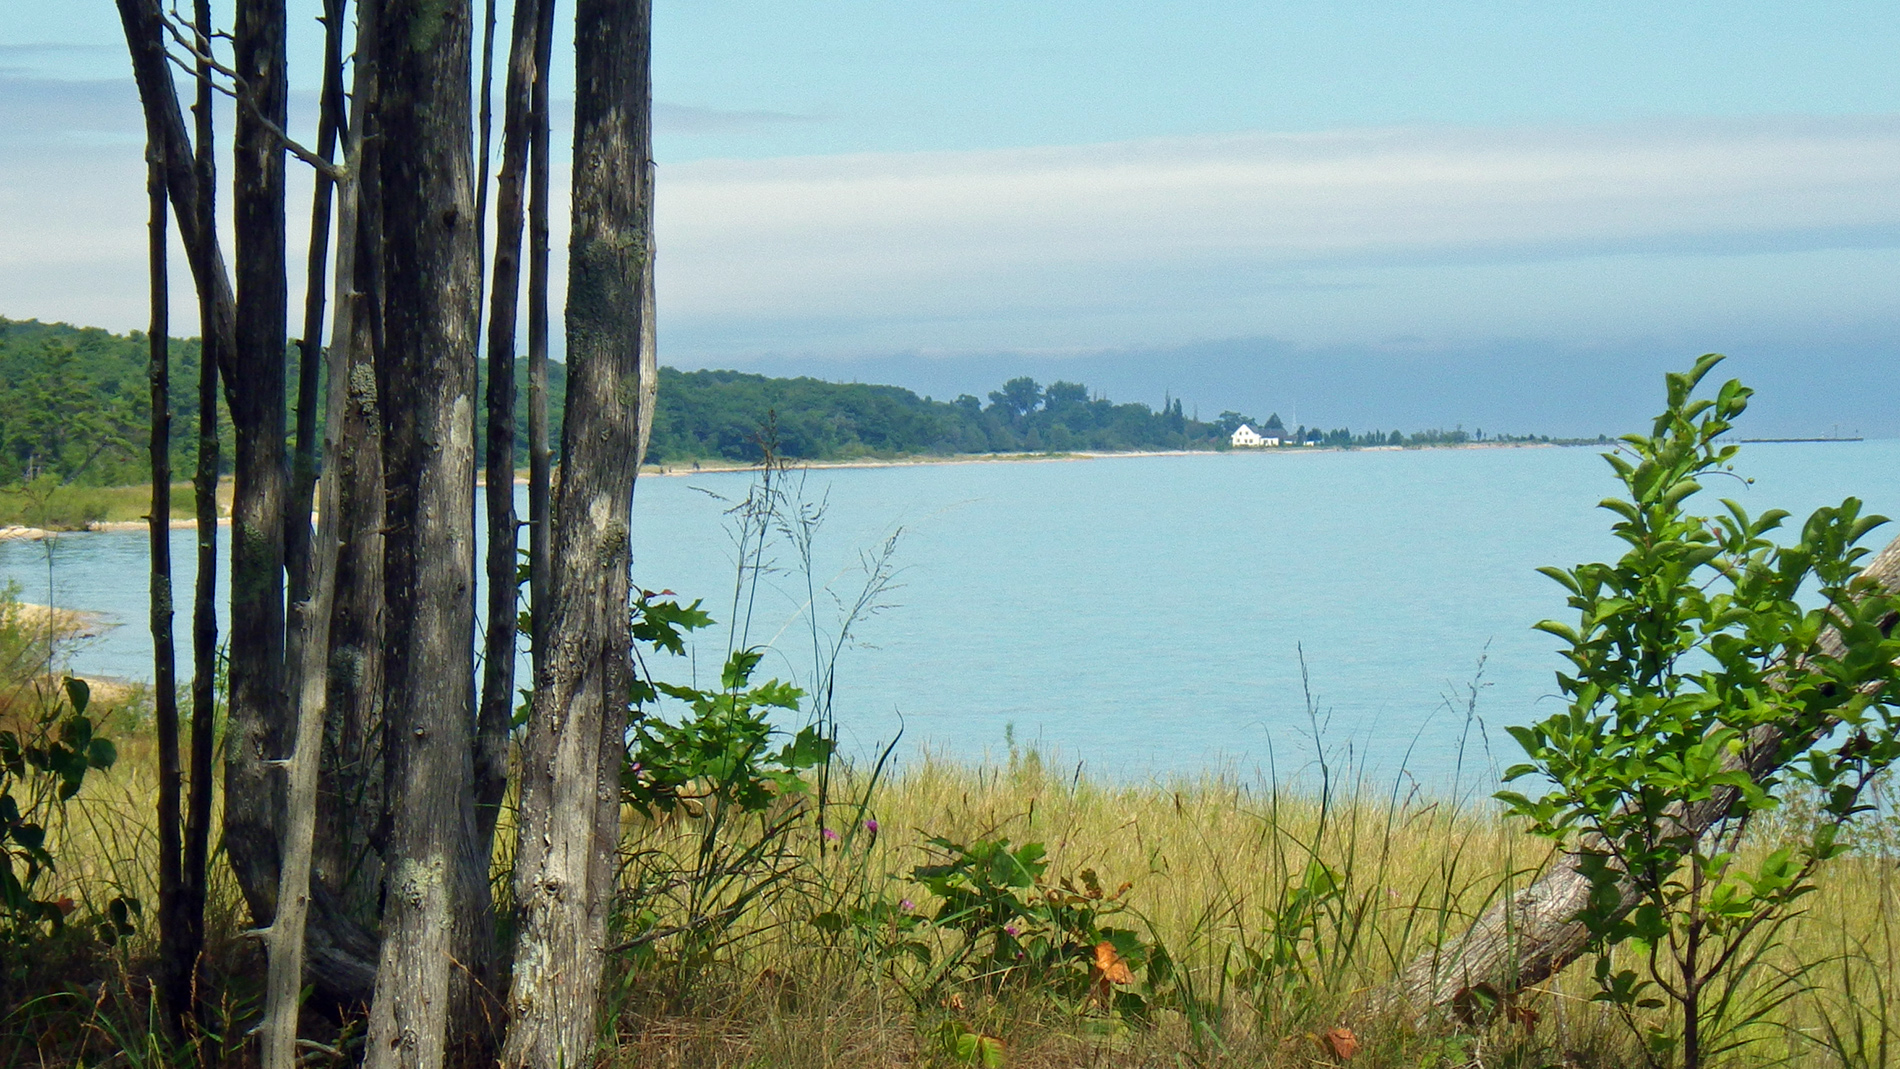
(1139, 615)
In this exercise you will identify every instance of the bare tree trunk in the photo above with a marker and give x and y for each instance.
(308, 643)
(189, 184)
(256, 732)
(342, 953)
(540, 455)
(1533, 935)
(204, 609)
(313, 619)
(303, 476)
(570, 783)
(174, 974)
(436, 930)
(188, 180)
(351, 811)
(485, 122)
(649, 338)
(498, 656)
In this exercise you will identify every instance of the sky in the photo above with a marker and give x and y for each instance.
(1483, 214)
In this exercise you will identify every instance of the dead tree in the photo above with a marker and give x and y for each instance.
(174, 980)
(498, 652)
(312, 616)
(303, 468)
(540, 453)
(342, 953)
(1533, 935)
(570, 782)
(256, 733)
(350, 810)
(204, 611)
(186, 181)
(436, 887)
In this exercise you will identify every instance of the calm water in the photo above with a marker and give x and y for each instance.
(1143, 615)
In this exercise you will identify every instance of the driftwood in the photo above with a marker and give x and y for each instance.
(1531, 936)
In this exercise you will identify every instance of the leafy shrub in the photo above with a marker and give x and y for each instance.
(43, 764)
(1690, 653)
(718, 764)
(1016, 926)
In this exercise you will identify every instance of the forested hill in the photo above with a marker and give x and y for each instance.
(74, 401)
(728, 414)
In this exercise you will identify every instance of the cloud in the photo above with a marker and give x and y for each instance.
(1129, 236)
(37, 111)
(1697, 232)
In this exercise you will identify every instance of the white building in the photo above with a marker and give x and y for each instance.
(1246, 437)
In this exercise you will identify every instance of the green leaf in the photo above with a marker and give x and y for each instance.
(739, 668)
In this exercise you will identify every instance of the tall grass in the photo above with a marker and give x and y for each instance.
(1215, 863)
(1218, 866)
(73, 508)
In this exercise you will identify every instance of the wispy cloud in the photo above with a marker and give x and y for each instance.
(1071, 230)
(1595, 234)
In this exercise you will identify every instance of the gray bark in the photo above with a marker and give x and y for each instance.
(303, 478)
(341, 951)
(1533, 935)
(308, 647)
(350, 808)
(174, 980)
(649, 340)
(498, 657)
(312, 617)
(436, 932)
(204, 610)
(256, 731)
(540, 455)
(570, 782)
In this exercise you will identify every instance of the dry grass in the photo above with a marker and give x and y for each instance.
(1214, 863)
(1211, 861)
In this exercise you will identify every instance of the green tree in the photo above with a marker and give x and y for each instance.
(1018, 397)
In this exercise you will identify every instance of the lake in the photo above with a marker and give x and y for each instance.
(1139, 616)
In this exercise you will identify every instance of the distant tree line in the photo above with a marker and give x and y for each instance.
(73, 404)
(721, 414)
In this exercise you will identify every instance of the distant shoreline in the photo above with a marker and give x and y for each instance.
(720, 467)
(732, 466)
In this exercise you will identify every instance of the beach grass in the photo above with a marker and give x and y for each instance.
(75, 508)
(1281, 904)
(1214, 866)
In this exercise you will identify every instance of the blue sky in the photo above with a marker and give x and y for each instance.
(1399, 214)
